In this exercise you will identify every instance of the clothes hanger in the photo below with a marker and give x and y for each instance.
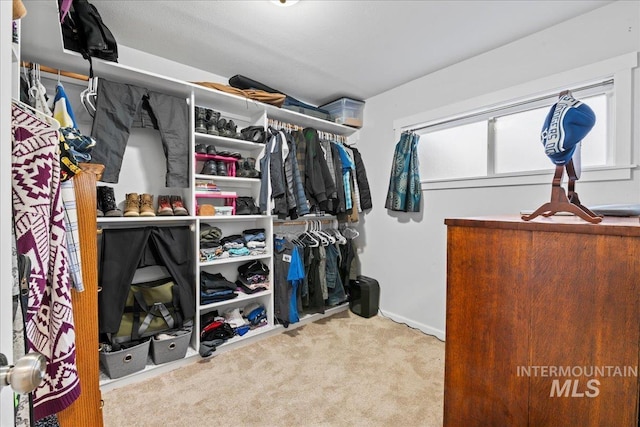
(314, 243)
(316, 231)
(89, 95)
(53, 123)
(326, 235)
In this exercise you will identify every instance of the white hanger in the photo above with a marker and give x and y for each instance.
(89, 95)
(314, 243)
(53, 123)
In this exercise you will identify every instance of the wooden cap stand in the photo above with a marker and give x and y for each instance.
(559, 200)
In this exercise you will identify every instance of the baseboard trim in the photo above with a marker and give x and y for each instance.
(438, 333)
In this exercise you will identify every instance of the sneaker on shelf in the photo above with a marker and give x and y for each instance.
(209, 168)
(164, 206)
(201, 149)
(146, 205)
(132, 205)
(178, 206)
(211, 150)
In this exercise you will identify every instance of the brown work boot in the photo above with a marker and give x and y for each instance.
(146, 205)
(132, 205)
(164, 206)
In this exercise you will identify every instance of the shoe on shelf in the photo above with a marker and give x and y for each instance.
(211, 150)
(146, 205)
(212, 122)
(132, 205)
(240, 171)
(99, 212)
(250, 166)
(222, 168)
(230, 129)
(220, 125)
(178, 206)
(201, 149)
(209, 168)
(201, 121)
(107, 202)
(164, 206)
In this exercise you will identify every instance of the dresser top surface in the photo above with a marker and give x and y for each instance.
(615, 226)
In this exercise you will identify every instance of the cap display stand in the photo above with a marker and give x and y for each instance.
(559, 200)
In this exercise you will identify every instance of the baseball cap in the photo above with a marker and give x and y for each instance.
(566, 124)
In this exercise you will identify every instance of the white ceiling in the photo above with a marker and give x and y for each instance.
(318, 51)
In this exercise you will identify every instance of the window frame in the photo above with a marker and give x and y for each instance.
(619, 134)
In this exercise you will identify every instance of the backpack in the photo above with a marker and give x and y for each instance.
(151, 307)
(84, 31)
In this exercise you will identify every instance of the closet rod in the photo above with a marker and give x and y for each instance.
(321, 221)
(279, 124)
(57, 71)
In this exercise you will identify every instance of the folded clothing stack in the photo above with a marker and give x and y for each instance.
(253, 276)
(215, 287)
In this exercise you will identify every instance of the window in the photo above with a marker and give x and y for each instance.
(506, 140)
(494, 139)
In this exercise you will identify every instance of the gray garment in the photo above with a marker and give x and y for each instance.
(302, 207)
(278, 180)
(328, 155)
(288, 172)
(282, 290)
(322, 268)
(264, 161)
(116, 108)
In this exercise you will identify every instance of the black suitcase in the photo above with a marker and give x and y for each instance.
(364, 296)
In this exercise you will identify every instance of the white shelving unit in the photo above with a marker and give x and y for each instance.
(143, 172)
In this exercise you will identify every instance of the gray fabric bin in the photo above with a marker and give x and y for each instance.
(126, 361)
(169, 349)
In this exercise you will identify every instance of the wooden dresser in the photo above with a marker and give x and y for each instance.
(542, 323)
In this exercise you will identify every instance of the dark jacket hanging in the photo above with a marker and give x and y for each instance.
(363, 182)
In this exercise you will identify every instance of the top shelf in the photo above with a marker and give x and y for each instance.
(114, 71)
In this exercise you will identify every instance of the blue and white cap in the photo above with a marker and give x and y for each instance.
(568, 122)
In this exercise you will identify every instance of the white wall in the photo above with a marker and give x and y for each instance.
(407, 252)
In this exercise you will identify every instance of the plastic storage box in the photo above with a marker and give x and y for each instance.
(346, 111)
(169, 349)
(125, 361)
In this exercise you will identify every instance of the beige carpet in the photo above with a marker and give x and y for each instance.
(340, 371)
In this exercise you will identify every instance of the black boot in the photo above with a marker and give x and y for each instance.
(108, 201)
(99, 212)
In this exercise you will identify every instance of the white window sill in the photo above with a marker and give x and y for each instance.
(592, 174)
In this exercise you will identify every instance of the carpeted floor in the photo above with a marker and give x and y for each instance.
(340, 371)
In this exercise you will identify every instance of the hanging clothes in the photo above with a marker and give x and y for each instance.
(302, 205)
(404, 192)
(40, 233)
(363, 181)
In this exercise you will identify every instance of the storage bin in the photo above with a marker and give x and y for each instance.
(169, 349)
(224, 210)
(346, 111)
(126, 361)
